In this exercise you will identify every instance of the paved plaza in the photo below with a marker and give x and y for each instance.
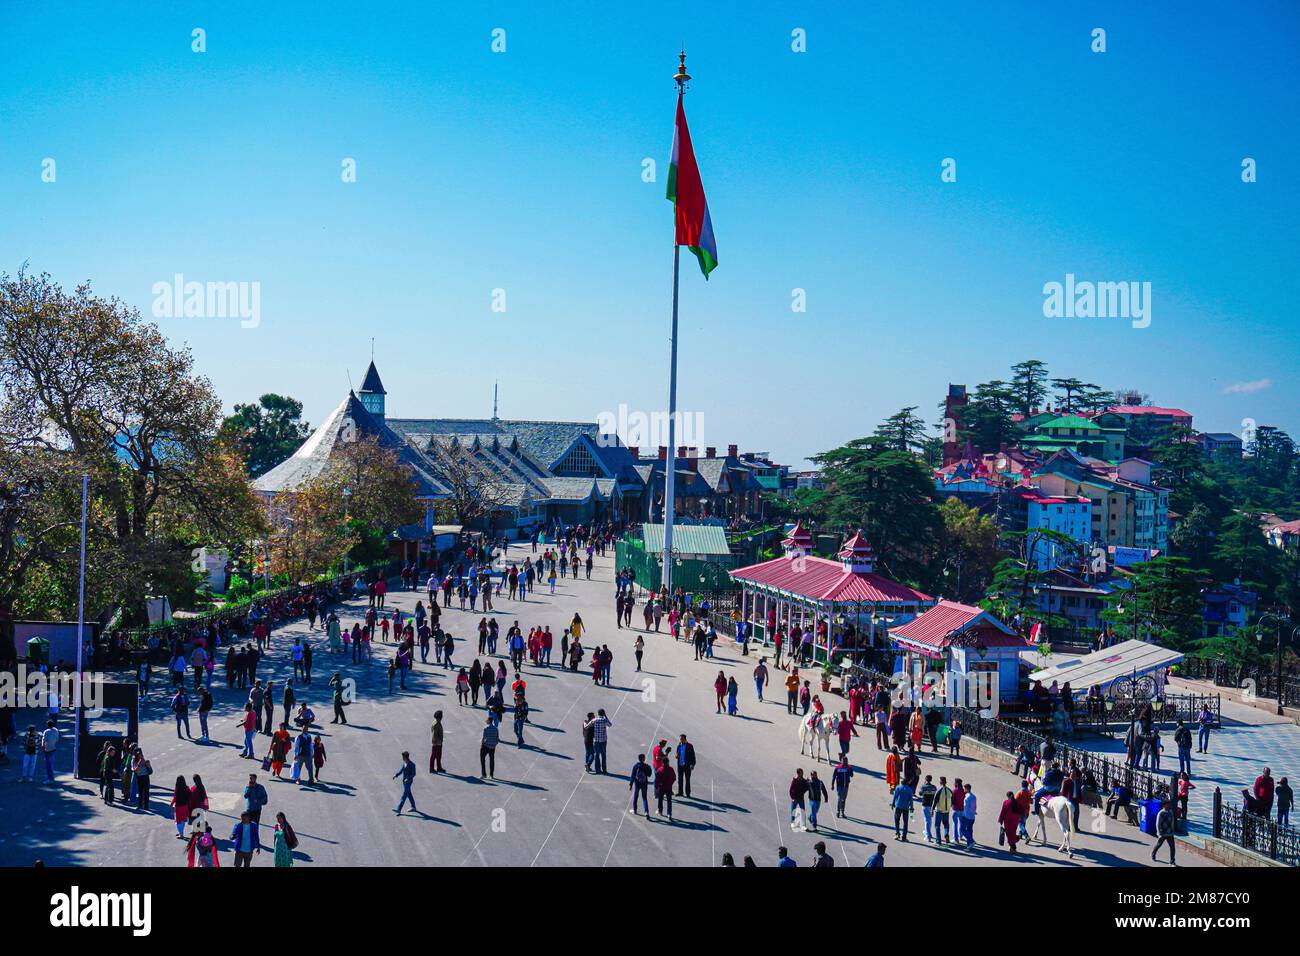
(1249, 740)
(542, 809)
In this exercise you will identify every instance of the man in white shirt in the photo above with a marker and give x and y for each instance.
(49, 743)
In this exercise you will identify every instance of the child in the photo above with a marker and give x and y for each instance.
(954, 739)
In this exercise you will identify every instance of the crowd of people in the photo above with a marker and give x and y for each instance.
(472, 583)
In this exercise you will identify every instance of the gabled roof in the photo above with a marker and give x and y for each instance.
(936, 627)
(346, 423)
(546, 441)
(372, 382)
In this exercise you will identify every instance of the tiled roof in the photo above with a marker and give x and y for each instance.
(315, 453)
(547, 441)
(569, 489)
(823, 580)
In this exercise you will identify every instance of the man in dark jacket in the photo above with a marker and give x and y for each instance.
(245, 840)
(1164, 830)
(638, 782)
(685, 764)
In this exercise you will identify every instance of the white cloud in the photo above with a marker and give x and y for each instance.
(1248, 388)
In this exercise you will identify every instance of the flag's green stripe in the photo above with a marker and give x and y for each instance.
(707, 262)
(672, 182)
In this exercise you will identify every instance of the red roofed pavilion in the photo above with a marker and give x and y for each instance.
(968, 640)
(830, 598)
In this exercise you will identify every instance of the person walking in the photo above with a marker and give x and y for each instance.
(487, 751)
(180, 806)
(968, 810)
(816, 796)
(638, 782)
(407, 772)
(31, 748)
(798, 794)
(902, 801)
(181, 711)
(286, 841)
(1165, 831)
(1009, 817)
(760, 677)
(841, 777)
(664, 780)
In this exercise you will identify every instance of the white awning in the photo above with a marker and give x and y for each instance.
(1102, 668)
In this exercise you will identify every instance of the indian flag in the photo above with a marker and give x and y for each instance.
(686, 192)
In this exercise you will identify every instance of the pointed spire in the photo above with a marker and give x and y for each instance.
(799, 542)
(858, 555)
(371, 383)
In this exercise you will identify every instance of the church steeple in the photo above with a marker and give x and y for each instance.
(372, 392)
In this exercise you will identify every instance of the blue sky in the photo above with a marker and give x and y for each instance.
(522, 171)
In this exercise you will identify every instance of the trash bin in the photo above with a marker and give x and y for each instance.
(38, 651)
(1147, 821)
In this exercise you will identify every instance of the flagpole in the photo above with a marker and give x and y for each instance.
(81, 618)
(670, 465)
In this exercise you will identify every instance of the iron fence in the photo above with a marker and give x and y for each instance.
(1262, 680)
(1107, 773)
(1256, 833)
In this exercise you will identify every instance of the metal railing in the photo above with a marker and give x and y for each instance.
(1256, 833)
(1262, 680)
(1108, 773)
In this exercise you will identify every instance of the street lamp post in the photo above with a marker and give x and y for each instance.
(1279, 620)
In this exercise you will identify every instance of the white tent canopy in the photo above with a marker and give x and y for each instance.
(1102, 668)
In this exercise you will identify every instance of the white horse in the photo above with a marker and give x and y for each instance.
(1060, 808)
(815, 733)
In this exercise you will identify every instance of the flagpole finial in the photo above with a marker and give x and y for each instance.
(682, 78)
